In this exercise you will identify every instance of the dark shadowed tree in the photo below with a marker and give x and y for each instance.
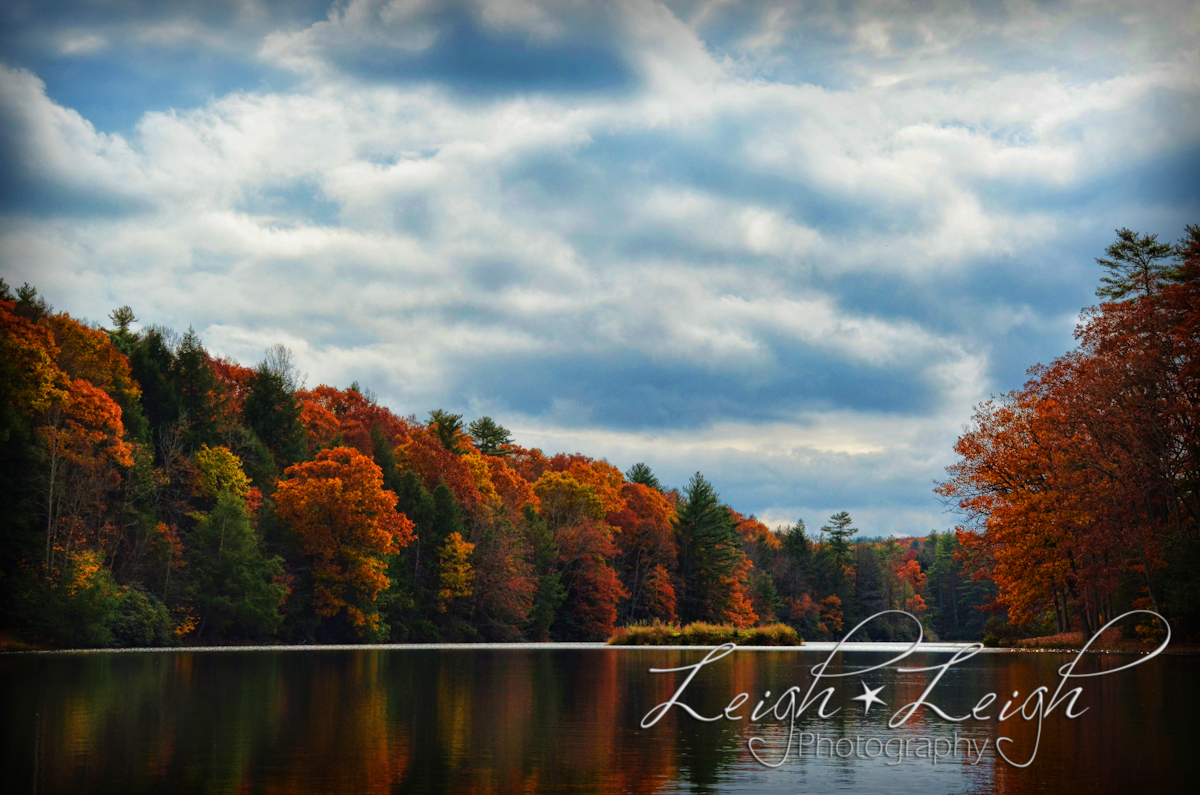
(448, 429)
(196, 384)
(273, 413)
(237, 588)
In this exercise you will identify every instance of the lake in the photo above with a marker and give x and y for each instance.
(566, 719)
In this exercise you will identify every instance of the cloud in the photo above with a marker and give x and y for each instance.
(788, 245)
(476, 49)
(53, 161)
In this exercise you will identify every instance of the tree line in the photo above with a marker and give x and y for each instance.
(154, 493)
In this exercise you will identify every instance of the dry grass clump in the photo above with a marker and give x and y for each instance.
(702, 634)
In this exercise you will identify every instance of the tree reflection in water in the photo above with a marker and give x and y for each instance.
(544, 720)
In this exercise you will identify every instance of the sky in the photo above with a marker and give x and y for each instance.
(788, 245)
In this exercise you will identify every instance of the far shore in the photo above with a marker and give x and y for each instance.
(935, 647)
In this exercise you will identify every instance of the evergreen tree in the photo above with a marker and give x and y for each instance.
(256, 458)
(870, 595)
(640, 473)
(489, 436)
(954, 598)
(709, 550)
(797, 545)
(551, 594)
(30, 305)
(834, 561)
(411, 599)
(236, 587)
(272, 412)
(151, 362)
(121, 336)
(195, 384)
(447, 515)
(1137, 265)
(448, 429)
(385, 457)
(414, 501)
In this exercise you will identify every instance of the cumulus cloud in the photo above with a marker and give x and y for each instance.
(53, 161)
(789, 245)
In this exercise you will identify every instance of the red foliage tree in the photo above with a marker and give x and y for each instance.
(435, 464)
(647, 549)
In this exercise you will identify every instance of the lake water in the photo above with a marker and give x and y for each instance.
(373, 720)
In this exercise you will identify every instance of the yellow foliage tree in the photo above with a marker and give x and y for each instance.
(457, 577)
(482, 475)
(220, 470)
(565, 501)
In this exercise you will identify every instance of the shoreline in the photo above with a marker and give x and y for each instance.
(814, 646)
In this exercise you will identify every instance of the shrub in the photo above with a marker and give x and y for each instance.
(703, 634)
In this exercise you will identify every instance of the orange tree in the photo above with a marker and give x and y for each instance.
(346, 523)
(1083, 483)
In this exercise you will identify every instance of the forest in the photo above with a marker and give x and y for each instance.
(154, 494)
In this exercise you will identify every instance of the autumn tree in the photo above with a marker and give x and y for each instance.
(505, 578)
(349, 418)
(346, 523)
(83, 451)
(28, 383)
(436, 464)
(574, 514)
(565, 501)
(90, 354)
(1083, 479)
(514, 491)
(63, 462)
(219, 470)
(648, 556)
(456, 577)
(762, 549)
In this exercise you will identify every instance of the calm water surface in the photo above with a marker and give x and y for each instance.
(567, 720)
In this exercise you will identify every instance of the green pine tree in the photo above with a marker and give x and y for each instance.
(1137, 265)
(709, 550)
(640, 473)
(236, 586)
(489, 436)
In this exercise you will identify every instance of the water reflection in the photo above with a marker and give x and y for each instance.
(539, 720)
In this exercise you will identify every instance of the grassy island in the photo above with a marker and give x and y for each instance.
(703, 634)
